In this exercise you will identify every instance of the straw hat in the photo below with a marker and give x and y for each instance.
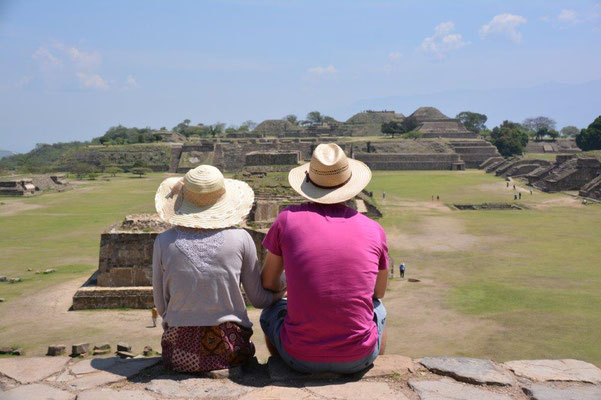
(330, 177)
(203, 199)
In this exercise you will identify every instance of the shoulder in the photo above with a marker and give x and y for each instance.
(371, 224)
(167, 236)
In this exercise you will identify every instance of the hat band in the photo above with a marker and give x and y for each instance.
(203, 199)
(327, 187)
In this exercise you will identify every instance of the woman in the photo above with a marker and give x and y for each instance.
(335, 260)
(197, 269)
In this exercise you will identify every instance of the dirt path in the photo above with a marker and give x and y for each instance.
(11, 207)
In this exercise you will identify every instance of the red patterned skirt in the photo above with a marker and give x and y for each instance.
(206, 348)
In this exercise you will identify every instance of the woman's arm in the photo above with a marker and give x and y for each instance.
(272, 272)
(381, 283)
(251, 277)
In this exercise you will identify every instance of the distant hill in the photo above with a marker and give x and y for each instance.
(6, 153)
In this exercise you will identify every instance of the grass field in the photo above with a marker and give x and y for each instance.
(500, 284)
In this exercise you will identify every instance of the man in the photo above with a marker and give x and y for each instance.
(402, 270)
(155, 314)
(336, 265)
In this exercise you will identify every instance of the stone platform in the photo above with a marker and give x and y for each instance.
(391, 377)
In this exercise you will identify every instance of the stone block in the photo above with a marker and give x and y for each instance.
(122, 346)
(577, 392)
(192, 387)
(390, 364)
(36, 391)
(18, 352)
(448, 389)
(471, 370)
(355, 391)
(29, 370)
(56, 350)
(148, 351)
(80, 348)
(125, 354)
(556, 370)
(88, 374)
(104, 394)
(3, 278)
(102, 346)
(6, 350)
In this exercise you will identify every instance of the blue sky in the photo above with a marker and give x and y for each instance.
(72, 69)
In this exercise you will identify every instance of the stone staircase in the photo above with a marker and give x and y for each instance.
(592, 189)
(570, 175)
(390, 377)
(474, 152)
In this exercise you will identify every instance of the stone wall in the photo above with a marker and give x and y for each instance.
(21, 187)
(384, 161)
(592, 189)
(570, 175)
(272, 158)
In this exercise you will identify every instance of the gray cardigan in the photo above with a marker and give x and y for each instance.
(197, 275)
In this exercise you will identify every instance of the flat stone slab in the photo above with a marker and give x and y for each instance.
(279, 393)
(387, 365)
(279, 371)
(450, 390)
(471, 370)
(356, 391)
(29, 370)
(204, 388)
(579, 392)
(36, 391)
(88, 374)
(106, 394)
(556, 370)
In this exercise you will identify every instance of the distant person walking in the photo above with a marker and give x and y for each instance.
(520, 195)
(530, 192)
(514, 186)
(437, 197)
(155, 315)
(383, 195)
(507, 183)
(515, 196)
(402, 270)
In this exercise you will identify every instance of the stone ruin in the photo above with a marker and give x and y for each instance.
(568, 172)
(558, 146)
(32, 185)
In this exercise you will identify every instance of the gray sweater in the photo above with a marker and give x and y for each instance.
(197, 275)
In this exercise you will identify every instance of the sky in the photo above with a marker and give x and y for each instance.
(69, 70)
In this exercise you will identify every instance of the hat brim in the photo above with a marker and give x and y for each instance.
(361, 175)
(230, 210)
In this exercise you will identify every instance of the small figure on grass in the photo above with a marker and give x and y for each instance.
(507, 183)
(383, 195)
(437, 197)
(514, 186)
(530, 192)
(520, 195)
(402, 270)
(515, 196)
(155, 315)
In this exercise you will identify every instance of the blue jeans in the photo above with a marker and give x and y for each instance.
(272, 319)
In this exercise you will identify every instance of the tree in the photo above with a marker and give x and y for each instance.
(510, 138)
(537, 123)
(569, 131)
(314, 118)
(251, 125)
(292, 119)
(140, 171)
(113, 171)
(590, 138)
(473, 121)
(393, 128)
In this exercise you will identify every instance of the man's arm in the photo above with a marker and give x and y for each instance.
(272, 272)
(381, 283)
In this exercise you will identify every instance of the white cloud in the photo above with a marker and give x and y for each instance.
(131, 82)
(443, 41)
(44, 56)
(570, 16)
(319, 71)
(394, 56)
(505, 25)
(82, 59)
(92, 81)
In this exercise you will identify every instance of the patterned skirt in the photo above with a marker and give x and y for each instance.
(206, 348)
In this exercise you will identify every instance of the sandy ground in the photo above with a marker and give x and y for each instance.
(11, 207)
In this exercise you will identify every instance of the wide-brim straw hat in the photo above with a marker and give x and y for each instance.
(203, 199)
(331, 177)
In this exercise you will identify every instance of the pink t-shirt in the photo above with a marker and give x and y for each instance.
(332, 255)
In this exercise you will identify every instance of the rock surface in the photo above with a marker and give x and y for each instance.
(579, 392)
(109, 394)
(447, 389)
(471, 370)
(196, 387)
(356, 391)
(36, 391)
(28, 370)
(556, 370)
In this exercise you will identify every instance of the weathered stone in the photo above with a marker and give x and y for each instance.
(37, 272)
(28, 370)
(280, 372)
(36, 391)
(196, 388)
(14, 280)
(387, 365)
(3, 278)
(578, 392)
(56, 350)
(99, 371)
(29, 269)
(2, 299)
(471, 370)
(80, 348)
(125, 354)
(447, 389)
(17, 352)
(279, 393)
(102, 346)
(104, 394)
(230, 373)
(122, 346)
(356, 391)
(6, 350)
(556, 370)
(147, 351)
(49, 271)
(100, 352)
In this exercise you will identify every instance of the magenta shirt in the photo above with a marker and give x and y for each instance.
(332, 255)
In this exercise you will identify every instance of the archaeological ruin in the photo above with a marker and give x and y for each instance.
(32, 185)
